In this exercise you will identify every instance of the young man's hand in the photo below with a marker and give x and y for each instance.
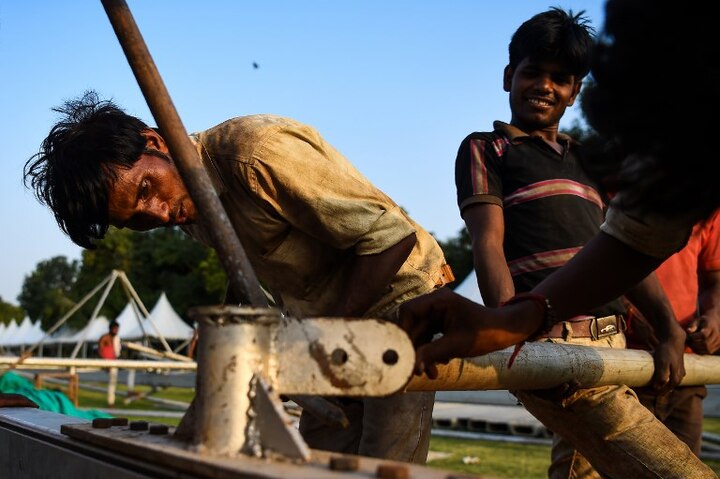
(669, 360)
(704, 334)
(468, 329)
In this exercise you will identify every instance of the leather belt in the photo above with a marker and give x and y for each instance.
(587, 327)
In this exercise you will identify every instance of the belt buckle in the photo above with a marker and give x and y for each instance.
(604, 327)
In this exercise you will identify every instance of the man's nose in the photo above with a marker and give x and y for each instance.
(159, 211)
(543, 82)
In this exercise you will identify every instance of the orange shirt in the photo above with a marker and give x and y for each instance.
(106, 348)
(679, 273)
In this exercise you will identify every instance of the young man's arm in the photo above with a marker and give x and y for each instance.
(486, 225)
(649, 298)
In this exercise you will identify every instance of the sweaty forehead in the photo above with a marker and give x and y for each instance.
(122, 194)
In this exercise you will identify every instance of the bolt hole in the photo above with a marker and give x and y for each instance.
(390, 357)
(339, 357)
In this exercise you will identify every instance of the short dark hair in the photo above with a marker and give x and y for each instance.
(649, 93)
(555, 35)
(114, 324)
(77, 163)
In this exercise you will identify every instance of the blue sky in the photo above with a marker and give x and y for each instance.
(395, 86)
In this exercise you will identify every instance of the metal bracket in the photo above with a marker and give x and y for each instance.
(314, 356)
(270, 429)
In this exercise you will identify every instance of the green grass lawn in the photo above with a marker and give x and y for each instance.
(487, 458)
(500, 460)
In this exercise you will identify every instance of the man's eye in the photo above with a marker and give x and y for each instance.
(144, 189)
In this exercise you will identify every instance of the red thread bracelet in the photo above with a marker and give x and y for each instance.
(548, 317)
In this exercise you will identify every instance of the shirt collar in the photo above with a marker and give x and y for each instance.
(516, 134)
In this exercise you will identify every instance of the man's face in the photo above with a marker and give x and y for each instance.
(151, 194)
(114, 330)
(539, 94)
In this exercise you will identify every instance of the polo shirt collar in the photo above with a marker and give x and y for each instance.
(516, 134)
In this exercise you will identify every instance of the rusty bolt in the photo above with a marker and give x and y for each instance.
(390, 357)
(338, 357)
(159, 429)
(344, 463)
(392, 471)
(102, 422)
(119, 421)
(138, 426)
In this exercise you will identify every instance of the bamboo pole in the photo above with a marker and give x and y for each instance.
(155, 352)
(64, 363)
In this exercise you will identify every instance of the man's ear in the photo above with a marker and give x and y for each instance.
(576, 91)
(507, 78)
(154, 141)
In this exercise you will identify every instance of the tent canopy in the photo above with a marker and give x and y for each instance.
(9, 332)
(168, 323)
(92, 330)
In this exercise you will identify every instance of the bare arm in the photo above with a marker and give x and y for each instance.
(486, 225)
(602, 271)
(370, 277)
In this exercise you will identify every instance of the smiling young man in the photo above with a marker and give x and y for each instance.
(529, 208)
(321, 238)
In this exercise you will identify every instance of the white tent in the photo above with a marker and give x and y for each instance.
(36, 333)
(18, 336)
(168, 322)
(92, 331)
(9, 332)
(469, 288)
(63, 336)
(2, 331)
(128, 322)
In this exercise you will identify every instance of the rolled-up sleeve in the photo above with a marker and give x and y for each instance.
(318, 191)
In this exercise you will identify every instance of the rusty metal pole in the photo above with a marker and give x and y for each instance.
(243, 282)
(244, 285)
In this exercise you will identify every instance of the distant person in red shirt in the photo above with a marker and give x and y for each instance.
(691, 280)
(109, 348)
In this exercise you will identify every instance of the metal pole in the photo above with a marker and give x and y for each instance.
(243, 283)
(547, 365)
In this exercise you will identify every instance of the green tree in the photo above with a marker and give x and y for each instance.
(164, 259)
(458, 254)
(47, 292)
(169, 260)
(10, 311)
(115, 251)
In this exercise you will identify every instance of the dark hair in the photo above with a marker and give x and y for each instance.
(114, 324)
(555, 35)
(649, 92)
(77, 164)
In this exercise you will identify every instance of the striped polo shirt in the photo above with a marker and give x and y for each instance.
(550, 206)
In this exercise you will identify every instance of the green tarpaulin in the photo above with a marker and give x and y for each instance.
(47, 400)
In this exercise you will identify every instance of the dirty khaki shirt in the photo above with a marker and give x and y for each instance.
(302, 212)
